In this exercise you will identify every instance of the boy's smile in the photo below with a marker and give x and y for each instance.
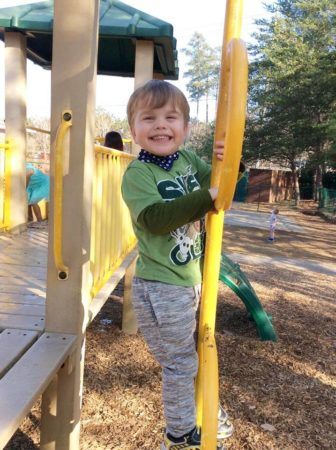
(160, 131)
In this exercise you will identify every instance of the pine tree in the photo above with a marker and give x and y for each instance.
(293, 85)
(203, 70)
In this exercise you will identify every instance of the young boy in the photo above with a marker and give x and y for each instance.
(273, 221)
(167, 193)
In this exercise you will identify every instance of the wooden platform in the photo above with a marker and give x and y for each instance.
(27, 351)
(23, 269)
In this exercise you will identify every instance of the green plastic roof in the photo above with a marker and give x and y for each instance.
(119, 26)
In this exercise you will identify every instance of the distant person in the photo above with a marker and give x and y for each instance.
(37, 188)
(273, 221)
(114, 140)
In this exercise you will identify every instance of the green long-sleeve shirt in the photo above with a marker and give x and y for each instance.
(161, 218)
(167, 211)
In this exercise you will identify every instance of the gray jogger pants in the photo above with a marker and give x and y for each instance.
(166, 317)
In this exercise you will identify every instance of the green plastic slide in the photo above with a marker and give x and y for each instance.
(235, 279)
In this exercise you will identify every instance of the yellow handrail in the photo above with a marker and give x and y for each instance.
(229, 128)
(66, 123)
(7, 146)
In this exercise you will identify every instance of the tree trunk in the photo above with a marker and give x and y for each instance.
(317, 180)
(295, 184)
(197, 108)
(207, 108)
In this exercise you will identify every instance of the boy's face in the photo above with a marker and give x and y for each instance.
(160, 131)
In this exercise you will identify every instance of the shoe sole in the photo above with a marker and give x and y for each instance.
(220, 446)
(225, 422)
(163, 447)
(227, 434)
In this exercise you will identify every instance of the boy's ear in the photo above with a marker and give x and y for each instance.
(133, 135)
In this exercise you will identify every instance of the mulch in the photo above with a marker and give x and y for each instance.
(280, 395)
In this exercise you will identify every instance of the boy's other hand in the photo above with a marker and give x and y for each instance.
(219, 149)
(213, 192)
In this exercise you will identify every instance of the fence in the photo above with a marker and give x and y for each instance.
(112, 236)
(327, 200)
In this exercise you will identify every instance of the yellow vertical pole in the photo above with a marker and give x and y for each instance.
(207, 405)
(94, 238)
(207, 379)
(232, 29)
(8, 173)
(118, 176)
(6, 189)
(110, 208)
(103, 235)
(98, 218)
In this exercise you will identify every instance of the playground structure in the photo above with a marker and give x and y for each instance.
(91, 243)
(231, 274)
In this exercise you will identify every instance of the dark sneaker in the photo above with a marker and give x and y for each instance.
(191, 441)
(225, 427)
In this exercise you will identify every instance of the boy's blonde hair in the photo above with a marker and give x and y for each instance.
(155, 94)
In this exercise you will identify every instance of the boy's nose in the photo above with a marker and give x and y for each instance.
(160, 123)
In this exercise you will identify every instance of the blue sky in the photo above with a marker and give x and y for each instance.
(186, 16)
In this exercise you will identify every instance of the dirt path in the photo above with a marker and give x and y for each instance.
(286, 386)
(315, 239)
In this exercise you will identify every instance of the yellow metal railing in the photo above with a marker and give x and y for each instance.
(112, 236)
(230, 125)
(5, 181)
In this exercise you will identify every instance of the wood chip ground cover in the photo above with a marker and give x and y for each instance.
(280, 395)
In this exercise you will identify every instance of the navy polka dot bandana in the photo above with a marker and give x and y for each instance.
(165, 162)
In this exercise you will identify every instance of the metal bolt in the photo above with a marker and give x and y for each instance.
(67, 116)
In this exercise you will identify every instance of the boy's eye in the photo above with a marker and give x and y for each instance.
(147, 118)
(171, 117)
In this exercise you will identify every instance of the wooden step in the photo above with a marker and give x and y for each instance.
(24, 299)
(19, 322)
(24, 310)
(13, 344)
(29, 377)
